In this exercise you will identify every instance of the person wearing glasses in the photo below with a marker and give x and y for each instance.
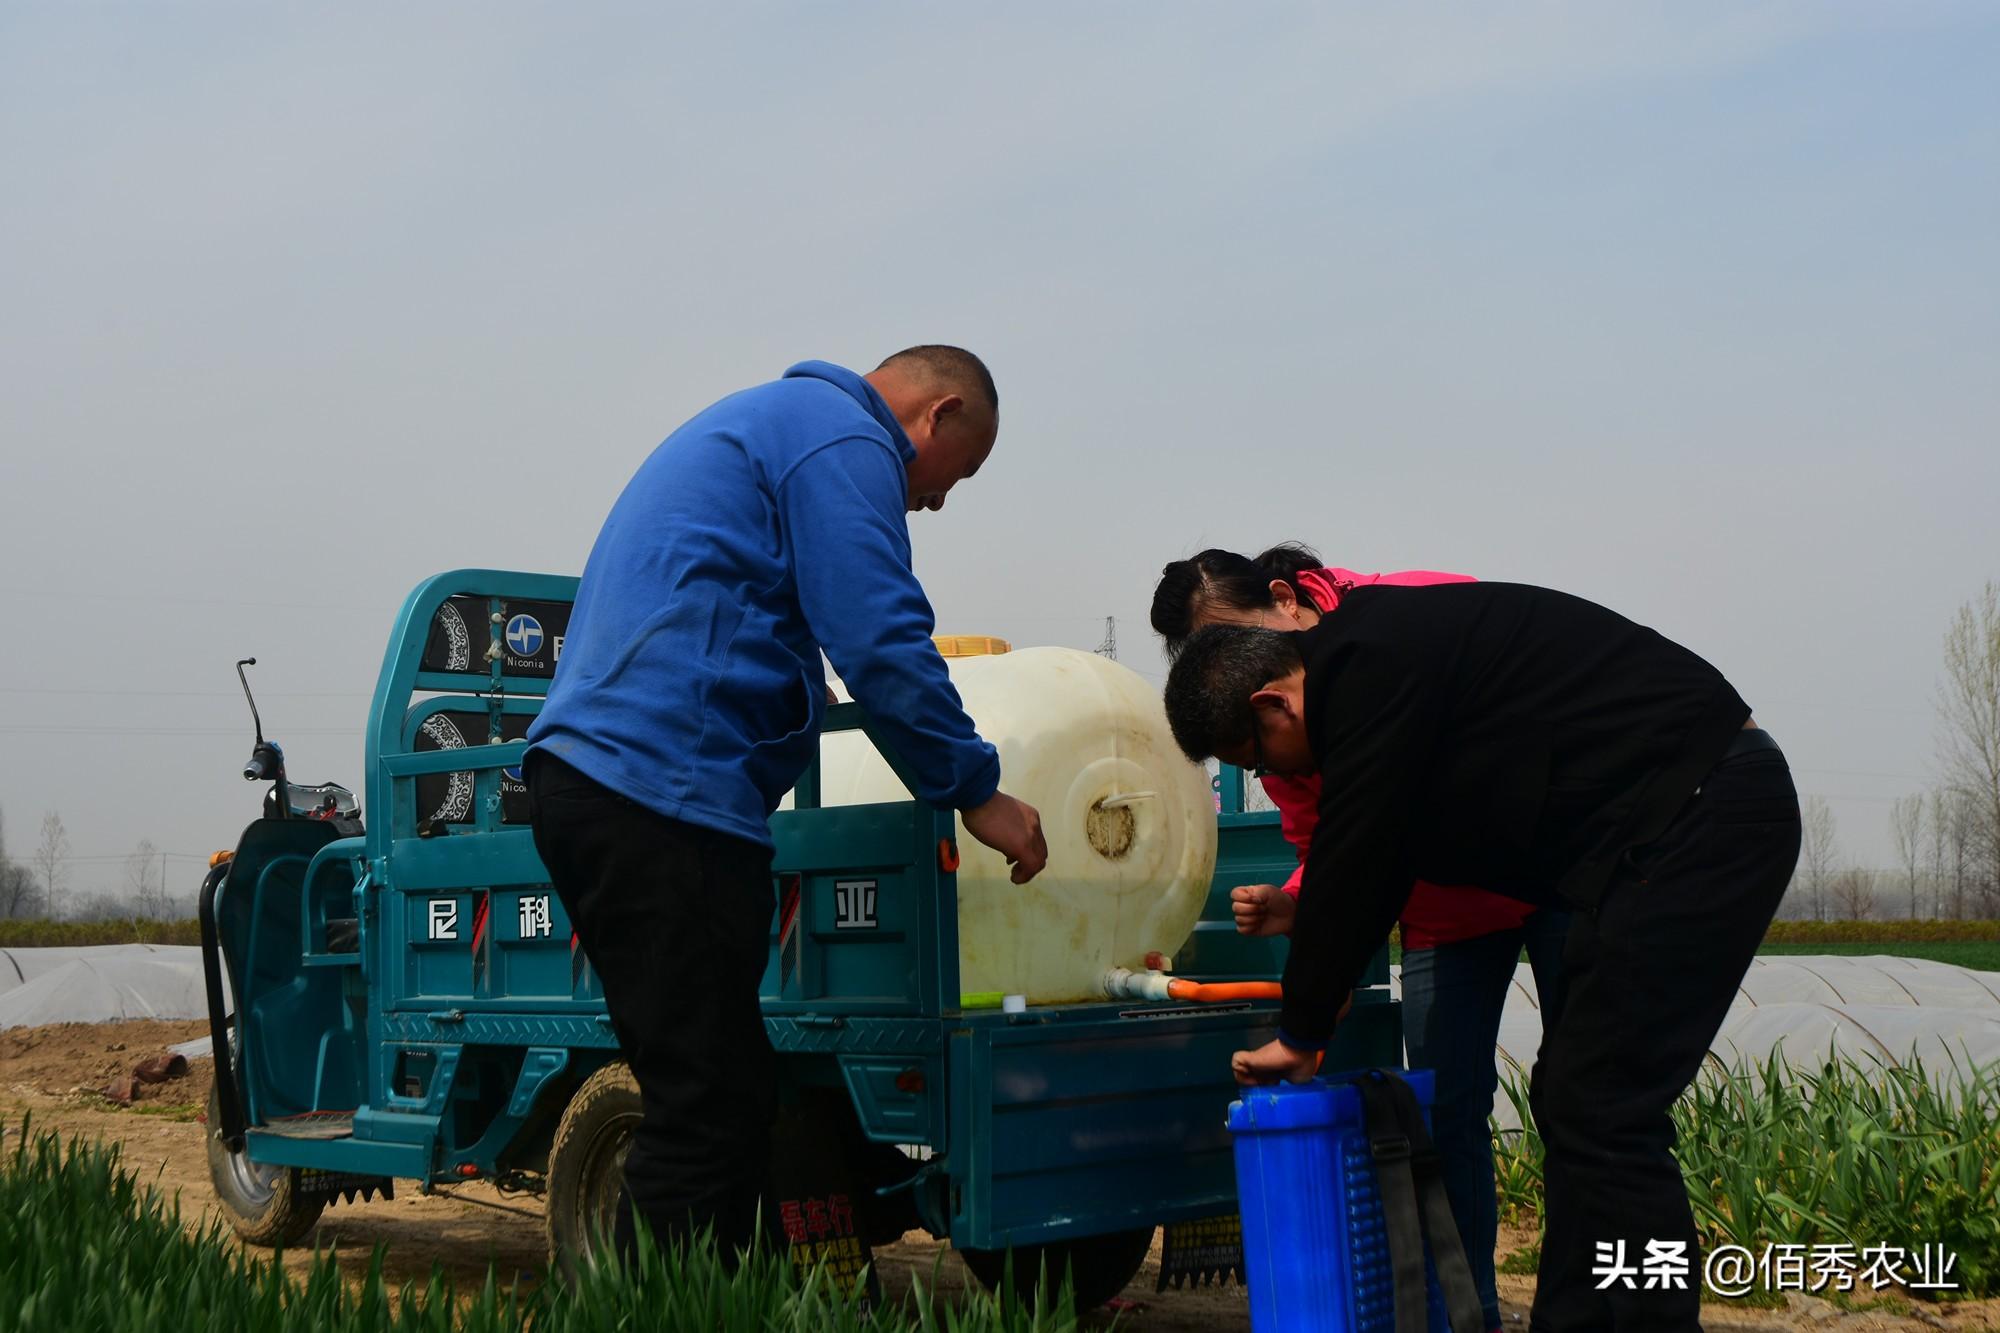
(1460, 944)
(1544, 747)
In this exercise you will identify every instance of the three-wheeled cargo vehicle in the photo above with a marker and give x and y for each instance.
(410, 1004)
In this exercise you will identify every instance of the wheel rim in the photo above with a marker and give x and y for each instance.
(603, 1179)
(255, 1183)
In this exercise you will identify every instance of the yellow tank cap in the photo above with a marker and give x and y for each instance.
(969, 645)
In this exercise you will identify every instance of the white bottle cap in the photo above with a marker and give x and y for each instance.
(1013, 1004)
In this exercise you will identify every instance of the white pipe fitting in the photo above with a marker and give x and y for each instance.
(1122, 983)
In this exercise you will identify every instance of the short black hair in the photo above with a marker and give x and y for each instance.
(950, 367)
(1211, 681)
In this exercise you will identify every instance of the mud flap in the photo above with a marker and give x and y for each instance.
(345, 1186)
(817, 1196)
(1209, 1249)
(229, 1097)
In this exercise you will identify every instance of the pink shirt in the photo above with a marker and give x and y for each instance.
(1436, 913)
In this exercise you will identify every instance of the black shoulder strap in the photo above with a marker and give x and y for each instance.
(1415, 1206)
(1396, 1183)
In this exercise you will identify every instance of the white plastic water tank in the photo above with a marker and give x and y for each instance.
(1129, 821)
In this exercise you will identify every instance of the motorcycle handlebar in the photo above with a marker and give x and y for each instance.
(263, 765)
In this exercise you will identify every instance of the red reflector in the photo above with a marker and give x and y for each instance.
(468, 1170)
(910, 1080)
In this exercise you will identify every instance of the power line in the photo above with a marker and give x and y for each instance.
(41, 729)
(119, 856)
(162, 598)
(187, 694)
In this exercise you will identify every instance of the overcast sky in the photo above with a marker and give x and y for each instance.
(1691, 309)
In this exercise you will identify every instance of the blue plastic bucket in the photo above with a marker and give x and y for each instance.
(1315, 1246)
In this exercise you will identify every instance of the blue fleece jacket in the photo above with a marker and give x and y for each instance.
(769, 527)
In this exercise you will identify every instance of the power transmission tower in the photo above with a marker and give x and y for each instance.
(1109, 648)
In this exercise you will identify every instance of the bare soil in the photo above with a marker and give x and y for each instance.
(54, 1074)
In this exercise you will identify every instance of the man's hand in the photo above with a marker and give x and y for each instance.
(1273, 1061)
(1262, 909)
(1013, 829)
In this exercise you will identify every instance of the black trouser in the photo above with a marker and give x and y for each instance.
(1652, 971)
(676, 921)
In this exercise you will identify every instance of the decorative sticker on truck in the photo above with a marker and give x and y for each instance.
(443, 919)
(537, 922)
(531, 637)
(854, 904)
(446, 798)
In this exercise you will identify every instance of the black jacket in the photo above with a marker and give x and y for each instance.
(1495, 734)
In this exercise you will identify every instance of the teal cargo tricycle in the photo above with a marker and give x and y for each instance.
(411, 1005)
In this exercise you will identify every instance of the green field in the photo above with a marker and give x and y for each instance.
(1837, 1152)
(87, 1243)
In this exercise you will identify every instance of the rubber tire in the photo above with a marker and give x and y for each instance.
(1100, 1266)
(591, 1141)
(265, 1205)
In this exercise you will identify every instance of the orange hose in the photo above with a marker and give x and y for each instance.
(1214, 992)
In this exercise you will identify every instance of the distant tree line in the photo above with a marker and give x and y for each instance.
(1947, 839)
(38, 887)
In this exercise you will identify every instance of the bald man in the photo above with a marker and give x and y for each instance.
(688, 700)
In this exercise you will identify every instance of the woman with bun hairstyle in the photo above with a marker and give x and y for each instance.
(1460, 943)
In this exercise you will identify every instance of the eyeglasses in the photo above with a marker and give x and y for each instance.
(1257, 766)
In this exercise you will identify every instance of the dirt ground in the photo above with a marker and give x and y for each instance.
(55, 1074)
